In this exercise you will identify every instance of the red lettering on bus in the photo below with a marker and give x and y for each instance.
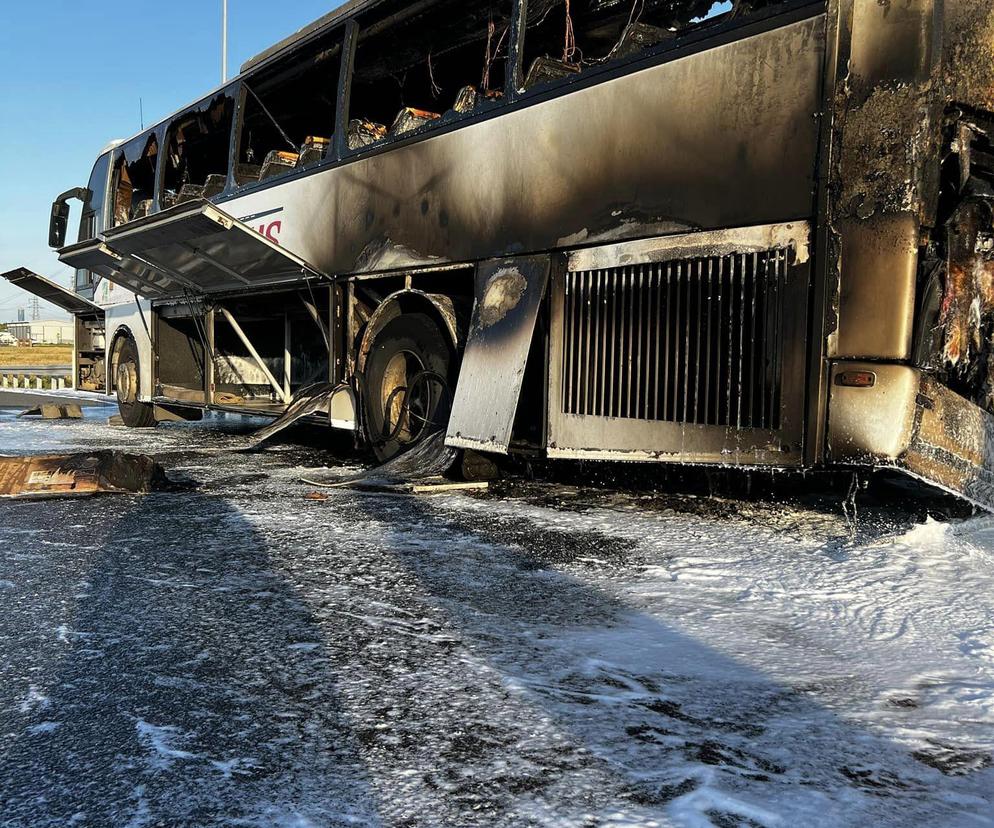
(271, 231)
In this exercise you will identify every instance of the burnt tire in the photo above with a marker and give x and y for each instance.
(406, 383)
(134, 413)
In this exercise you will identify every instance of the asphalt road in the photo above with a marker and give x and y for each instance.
(234, 653)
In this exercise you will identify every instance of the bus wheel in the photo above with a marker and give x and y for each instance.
(407, 384)
(135, 414)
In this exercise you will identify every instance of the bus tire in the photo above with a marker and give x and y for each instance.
(410, 348)
(134, 413)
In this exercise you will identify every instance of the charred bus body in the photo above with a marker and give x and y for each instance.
(755, 234)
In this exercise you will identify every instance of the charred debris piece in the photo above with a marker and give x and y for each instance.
(424, 469)
(79, 475)
(55, 412)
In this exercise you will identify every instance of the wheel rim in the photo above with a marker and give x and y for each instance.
(127, 383)
(405, 408)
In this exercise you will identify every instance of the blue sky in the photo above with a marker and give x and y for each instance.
(71, 76)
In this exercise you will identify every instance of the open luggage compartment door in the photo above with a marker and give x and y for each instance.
(509, 294)
(199, 248)
(51, 292)
(137, 276)
(92, 255)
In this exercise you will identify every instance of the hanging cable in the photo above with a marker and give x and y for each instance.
(272, 118)
(492, 53)
(491, 29)
(436, 90)
(569, 46)
(201, 330)
(634, 18)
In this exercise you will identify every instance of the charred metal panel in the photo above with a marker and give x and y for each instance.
(877, 294)
(871, 424)
(887, 124)
(968, 52)
(910, 422)
(725, 137)
(51, 292)
(952, 444)
(78, 475)
(509, 294)
(690, 348)
(909, 63)
(198, 247)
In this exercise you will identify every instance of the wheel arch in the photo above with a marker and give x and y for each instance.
(441, 308)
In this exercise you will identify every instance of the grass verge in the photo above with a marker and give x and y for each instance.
(43, 356)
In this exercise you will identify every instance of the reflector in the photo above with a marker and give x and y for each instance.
(857, 379)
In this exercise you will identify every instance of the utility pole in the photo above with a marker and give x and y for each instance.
(35, 309)
(224, 41)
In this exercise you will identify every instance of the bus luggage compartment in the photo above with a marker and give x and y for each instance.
(196, 247)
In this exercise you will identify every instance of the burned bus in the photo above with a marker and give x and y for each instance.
(755, 233)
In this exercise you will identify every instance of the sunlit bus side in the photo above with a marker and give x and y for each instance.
(755, 234)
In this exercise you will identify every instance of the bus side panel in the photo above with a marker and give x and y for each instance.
(885, 110)
(725, 137)
(908, 63)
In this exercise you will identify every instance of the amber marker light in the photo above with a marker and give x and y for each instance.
(857, 379)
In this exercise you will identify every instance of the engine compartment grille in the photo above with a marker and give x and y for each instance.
(696, 340)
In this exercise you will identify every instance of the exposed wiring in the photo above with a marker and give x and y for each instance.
(634, 18)
(436, 90)
(196, 309)
(272, 118)
(488, 60)
(569, 46)
(493, 52)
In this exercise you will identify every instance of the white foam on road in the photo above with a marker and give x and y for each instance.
(479, 661)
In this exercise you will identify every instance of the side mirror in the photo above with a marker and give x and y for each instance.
(58, 226)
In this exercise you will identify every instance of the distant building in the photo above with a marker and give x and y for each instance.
(42, 332)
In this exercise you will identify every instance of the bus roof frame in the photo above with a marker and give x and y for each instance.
(298, 38)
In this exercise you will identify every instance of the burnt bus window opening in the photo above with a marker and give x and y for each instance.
(92, 220)
(290, 112)
(134, 178)
(564, 38)
(425, 64)
(197, 149)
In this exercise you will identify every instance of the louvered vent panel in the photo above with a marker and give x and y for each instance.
(687, 341)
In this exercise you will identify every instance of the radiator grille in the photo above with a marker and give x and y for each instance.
(690, 341)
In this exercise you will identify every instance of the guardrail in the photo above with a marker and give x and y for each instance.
(34, 381)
